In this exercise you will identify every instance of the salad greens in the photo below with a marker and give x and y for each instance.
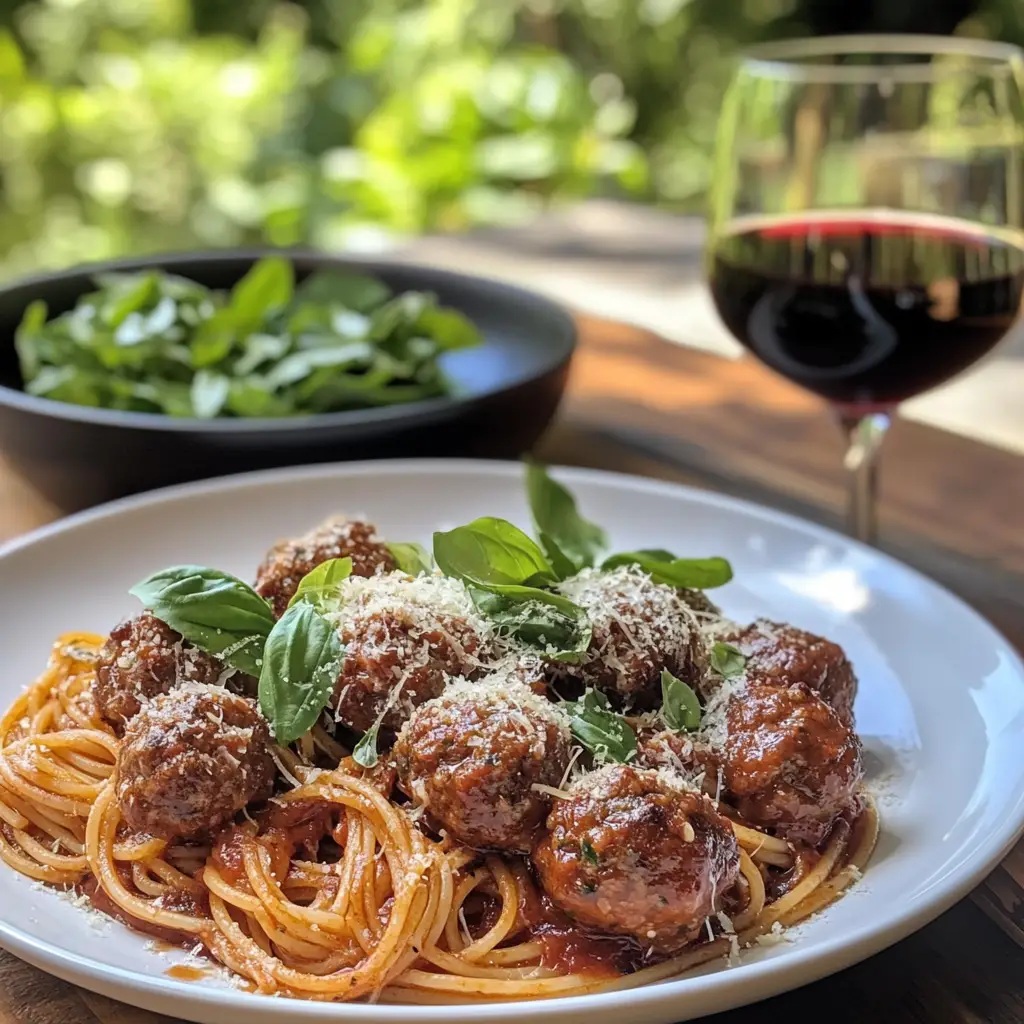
(151, 341)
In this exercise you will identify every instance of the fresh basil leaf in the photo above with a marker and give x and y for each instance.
(211, 609)
(267, 288)
(251, 397)
(130, 295)
(353, 291)
(548, 622)
(299, 365)
(564, 533)
(690, 573)
(365, 752)
(301, 664)
(208, 394)
(680, 708)
(26, 338)
(411, 557)
(258, 349)
(600, 730)
(449, 329)
(213, 340)
(727, 660)
(321, 586)
(588, 853)
(491, 552)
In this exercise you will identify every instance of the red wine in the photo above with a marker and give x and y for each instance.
(870, 308)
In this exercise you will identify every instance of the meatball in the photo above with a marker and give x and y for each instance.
(191, 759)
(404, 638)
(634, 852)
(781, 655)
(789, 762)
(639, 628)
(700, 604)
(472, 757)
(142, 658)
(287, 562)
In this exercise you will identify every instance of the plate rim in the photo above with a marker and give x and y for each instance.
(748, 982)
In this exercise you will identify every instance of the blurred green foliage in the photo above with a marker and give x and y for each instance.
(142, 125)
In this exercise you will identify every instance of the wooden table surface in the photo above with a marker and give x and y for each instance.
(950, 506)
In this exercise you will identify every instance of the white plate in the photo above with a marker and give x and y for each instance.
(941, 706)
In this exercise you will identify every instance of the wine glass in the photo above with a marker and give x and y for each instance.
(866, 235)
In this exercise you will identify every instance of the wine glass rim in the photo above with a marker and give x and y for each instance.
(794, 58)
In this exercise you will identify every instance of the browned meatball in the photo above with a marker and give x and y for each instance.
(700, 604)
(191, 759)
(789, 762)
(287, 562)
(404, 637)
(472, 756)
(144, 657)
(781, 655)
(633, 852)
(640, 628)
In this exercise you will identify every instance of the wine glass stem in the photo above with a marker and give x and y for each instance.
(864, 435)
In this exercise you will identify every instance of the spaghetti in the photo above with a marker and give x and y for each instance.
(334, 892)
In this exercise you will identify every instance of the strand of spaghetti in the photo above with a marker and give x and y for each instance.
(15, 858)
(863, 843)
(755, 893)
(811, 881)
(99, 845)
(453, 936)
(509, 893)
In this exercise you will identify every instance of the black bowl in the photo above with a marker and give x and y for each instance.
(509, 389)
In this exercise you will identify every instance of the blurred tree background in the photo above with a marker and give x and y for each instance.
(142, 125)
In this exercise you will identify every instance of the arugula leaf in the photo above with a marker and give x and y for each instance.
(547, 622)
(688, 573)
(680, 708)
(727, 660)
(321, 586)
(491, 552)
(211, 609)
(569, 540)
(301, 664)
(411, 557)
(600, 730)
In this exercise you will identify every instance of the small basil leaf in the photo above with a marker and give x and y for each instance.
(321, 587)
(365, 752)
(547, 622)
(727, 660)
(600, 730)
(491, 552)
(26, 336)
(208, 393)
(448, 328)
(690, 573)
(558, 522)
(301, 663)
(213, 340)
(411, 557)
(265, 289)
(353, 291)
(680, 708)
(211, 609)
(588, 853)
